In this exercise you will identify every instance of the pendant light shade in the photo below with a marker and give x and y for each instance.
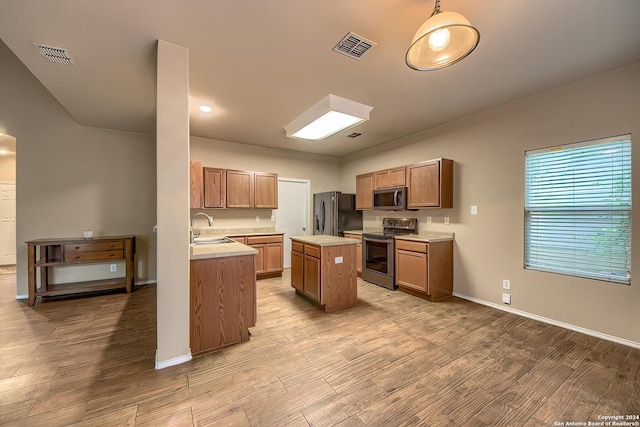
(444, 39)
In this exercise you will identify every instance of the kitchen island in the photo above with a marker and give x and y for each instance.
(323, 270)
(222, 296)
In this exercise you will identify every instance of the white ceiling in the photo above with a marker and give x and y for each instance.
(260, 63)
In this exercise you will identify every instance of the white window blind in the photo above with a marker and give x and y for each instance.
(578, 209)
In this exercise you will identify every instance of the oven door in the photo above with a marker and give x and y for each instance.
(378, 260)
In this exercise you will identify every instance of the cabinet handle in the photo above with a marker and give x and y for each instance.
(113, 254)
(77, 247)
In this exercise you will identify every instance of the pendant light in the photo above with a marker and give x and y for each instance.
(444, 39)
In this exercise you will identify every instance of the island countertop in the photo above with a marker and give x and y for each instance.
(428, 237)
(325, 240)
(220, 250)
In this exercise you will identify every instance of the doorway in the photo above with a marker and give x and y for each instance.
(292, 215)
(7, 201)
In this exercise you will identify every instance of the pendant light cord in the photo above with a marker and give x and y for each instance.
(436, 8)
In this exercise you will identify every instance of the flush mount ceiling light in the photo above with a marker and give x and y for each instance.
(205, 109)
(444, 39)
(330, 115)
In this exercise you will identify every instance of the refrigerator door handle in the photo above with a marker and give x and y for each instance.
(323, 216)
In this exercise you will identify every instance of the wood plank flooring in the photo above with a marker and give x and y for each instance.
(392, 360)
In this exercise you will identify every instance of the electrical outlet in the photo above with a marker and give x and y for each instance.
(377, 218)
(474, 210)
(506, 284)
(446, 220)
(506, 298)
(339, 260)
(273, 218)
(257, 218)
(428, 220)
(113, 267)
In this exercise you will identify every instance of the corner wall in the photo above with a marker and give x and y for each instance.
(71, 178)
(488, 150)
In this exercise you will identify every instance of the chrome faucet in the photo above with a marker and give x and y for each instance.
(209, 220)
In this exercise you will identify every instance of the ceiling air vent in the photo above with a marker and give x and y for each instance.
(55, 54)
(353, 46)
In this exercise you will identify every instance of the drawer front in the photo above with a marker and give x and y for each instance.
(239, 239)
(94, 247)
(297, 247)
(253, 240)
(313, 251)
(93, 256)
(409, 245)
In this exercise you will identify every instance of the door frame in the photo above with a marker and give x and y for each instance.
(306, 203)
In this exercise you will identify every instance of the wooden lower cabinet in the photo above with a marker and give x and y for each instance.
(270, 257)
(222, 301)
(317, 277)
(358, 250)
(425, 269)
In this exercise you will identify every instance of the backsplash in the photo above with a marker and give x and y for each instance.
(373, 219)
(235, 219)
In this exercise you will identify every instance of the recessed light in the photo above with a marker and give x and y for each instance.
(206, 109)
(3, 152)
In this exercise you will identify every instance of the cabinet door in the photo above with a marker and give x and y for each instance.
(214, 188)
(312, 277)
(273, 257)
(390, 178)
(424, 185)
(297, 266)
(260, 265)
(265, 190)
(411, 270)
(196, 184)
(364, 191)
(239, 189)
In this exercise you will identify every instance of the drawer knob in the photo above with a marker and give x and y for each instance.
(77, 256)
(77, 247)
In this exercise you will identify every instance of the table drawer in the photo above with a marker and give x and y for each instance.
(93, 256)
(94, 247)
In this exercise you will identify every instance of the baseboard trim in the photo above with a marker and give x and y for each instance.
(569, 326)
(146, 282)
(172, 362)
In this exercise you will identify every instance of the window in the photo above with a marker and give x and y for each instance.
(578, 209)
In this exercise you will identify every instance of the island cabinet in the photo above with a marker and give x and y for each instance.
(430, 184)
(46, 254)
(425, 269)
(395, 177)
(222, 301)
(323, 271)
(364, 191)
(357, 237)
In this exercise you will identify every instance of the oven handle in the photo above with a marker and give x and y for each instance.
(368, 239)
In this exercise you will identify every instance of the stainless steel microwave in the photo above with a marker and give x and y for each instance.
(390, 199)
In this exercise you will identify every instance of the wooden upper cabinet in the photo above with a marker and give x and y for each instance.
(215, 188)
(430, 184)
(239, 189)
(265, 190)
(195, 184)
(364, 191)
(395, 177)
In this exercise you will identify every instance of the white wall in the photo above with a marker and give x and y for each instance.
(488, 150)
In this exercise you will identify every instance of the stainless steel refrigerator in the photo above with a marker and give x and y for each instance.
(334, 212)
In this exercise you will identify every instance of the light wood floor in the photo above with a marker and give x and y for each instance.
(392, 360)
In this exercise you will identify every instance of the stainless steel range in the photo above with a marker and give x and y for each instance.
(378, 250)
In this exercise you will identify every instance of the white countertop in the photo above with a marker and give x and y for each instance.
(431, 236)
(237, 231)
(221, 250)
(324, 240)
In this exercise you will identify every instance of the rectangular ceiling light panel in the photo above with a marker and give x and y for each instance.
(327, 117)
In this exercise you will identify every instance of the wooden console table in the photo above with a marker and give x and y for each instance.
(44, 254)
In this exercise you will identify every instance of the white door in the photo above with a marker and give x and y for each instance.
(7, 223)
(292, 216)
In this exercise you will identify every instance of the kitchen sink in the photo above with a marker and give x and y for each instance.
(211, 240)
